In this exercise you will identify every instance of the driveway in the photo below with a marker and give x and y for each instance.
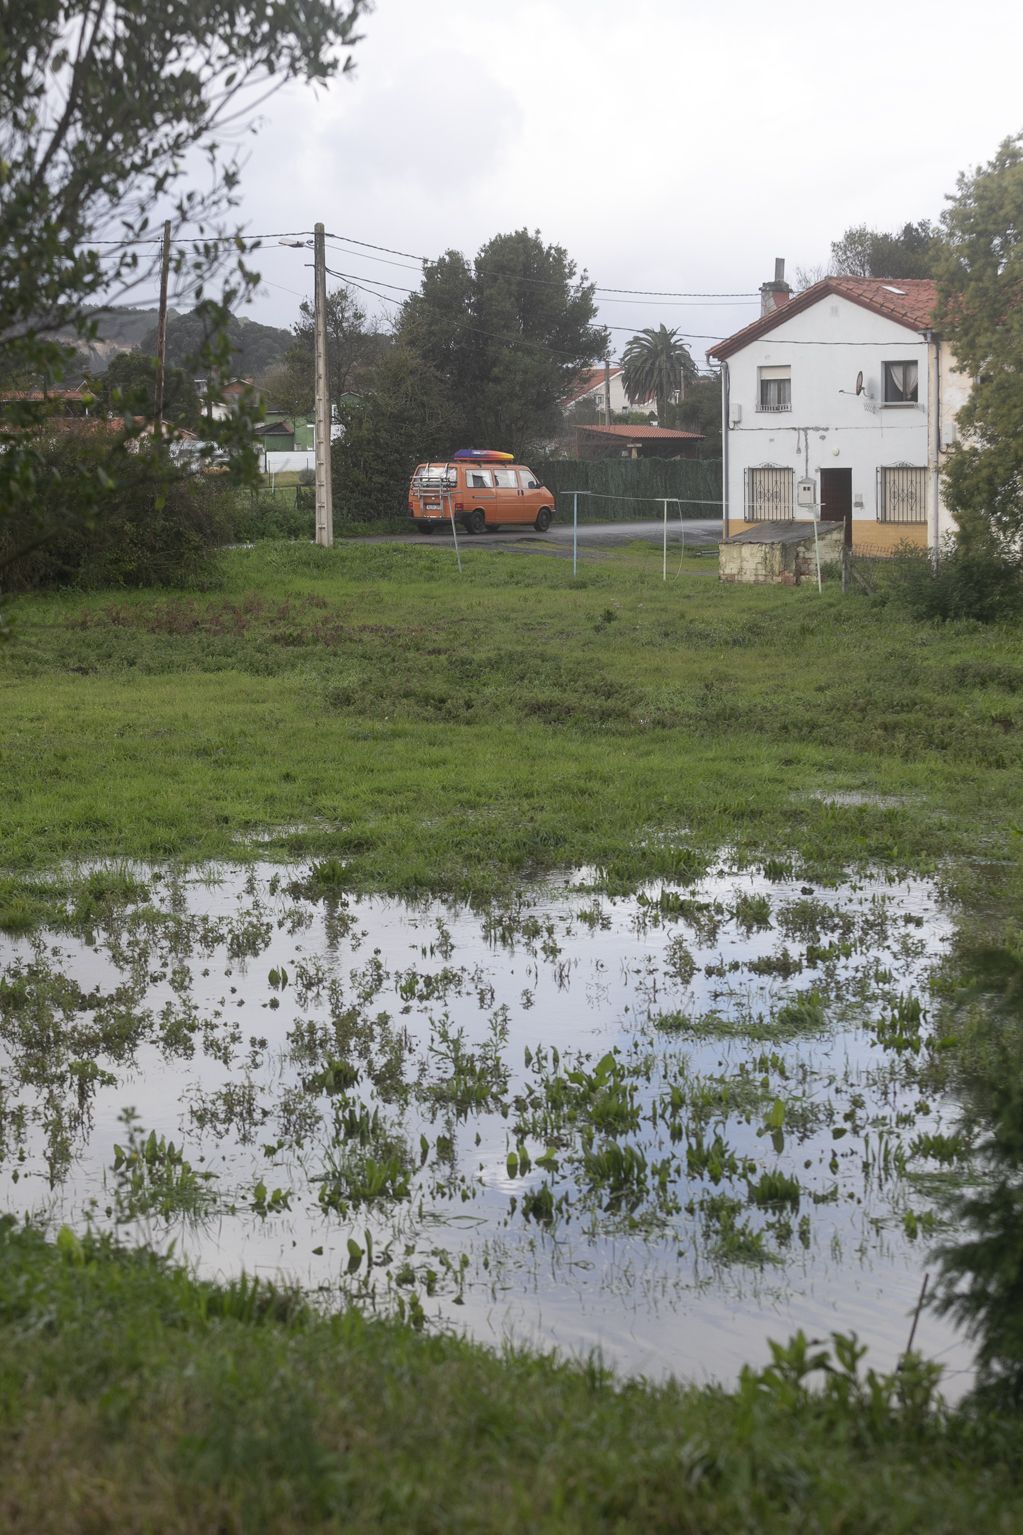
(592, 535)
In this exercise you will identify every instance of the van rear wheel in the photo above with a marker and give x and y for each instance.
(543, 519)
(476, 521)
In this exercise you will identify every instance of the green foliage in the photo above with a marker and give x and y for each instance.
(507, 335)
(865, 252)
(352, 347)
(158, 526)
(981, 1280)
(973, 578)
(103, 113)
(657, 362)
(248, 347)
(128, 388)
(981, 318)
(407, 417)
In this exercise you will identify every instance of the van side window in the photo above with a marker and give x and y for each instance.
(528, 480)
(479, 479)
(504, 479)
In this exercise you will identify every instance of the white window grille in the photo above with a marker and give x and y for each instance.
(902, 494)
(769, 493)
(774, 388)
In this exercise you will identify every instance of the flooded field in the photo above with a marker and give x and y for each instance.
(669, 1126)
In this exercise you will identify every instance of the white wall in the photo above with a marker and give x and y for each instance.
(829, 426)
(277, 463)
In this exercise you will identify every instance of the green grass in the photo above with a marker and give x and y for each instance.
(133, 1397)
(369, 705)
(391, 725)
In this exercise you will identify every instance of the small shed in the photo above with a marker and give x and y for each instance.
(780, 552)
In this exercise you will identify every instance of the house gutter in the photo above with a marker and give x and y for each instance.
(725, 383)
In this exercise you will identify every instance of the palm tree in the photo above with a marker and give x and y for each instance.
(657, 362)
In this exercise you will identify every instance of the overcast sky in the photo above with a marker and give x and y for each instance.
(667, 145)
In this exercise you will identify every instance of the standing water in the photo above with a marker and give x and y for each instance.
(667, 1126)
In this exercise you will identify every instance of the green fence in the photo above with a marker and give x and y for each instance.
(624, 489)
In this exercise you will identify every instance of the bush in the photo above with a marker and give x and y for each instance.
(151, 525)
(972, 578)
(257, 514)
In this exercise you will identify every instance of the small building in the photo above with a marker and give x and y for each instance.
(637, 442)
(780, 553)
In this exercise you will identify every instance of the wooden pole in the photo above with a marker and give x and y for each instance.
(324, 508)
(607, 391)
(161, 334)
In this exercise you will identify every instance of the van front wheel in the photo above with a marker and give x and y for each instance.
(476, 521)
(543, 519)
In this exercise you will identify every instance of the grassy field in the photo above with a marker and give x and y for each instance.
(457, 734)
(369, 707)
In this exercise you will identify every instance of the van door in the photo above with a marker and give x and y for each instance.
(479, 488)
(510, 507)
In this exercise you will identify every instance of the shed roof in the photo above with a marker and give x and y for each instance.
(644, 433)
(909, 301)
(789, 532)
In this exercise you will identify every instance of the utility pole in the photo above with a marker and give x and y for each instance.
(161, 334)
(324, 509)
(607, 391)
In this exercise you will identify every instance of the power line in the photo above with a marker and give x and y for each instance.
(550, 281)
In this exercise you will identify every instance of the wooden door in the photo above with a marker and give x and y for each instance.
(836, 499)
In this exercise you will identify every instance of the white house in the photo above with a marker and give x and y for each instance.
(591, 386)
(842, 398)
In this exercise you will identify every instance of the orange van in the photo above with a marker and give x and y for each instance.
(482, 492)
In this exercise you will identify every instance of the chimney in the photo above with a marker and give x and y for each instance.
(774, 294)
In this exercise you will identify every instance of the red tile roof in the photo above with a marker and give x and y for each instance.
(909, 301)
(644, 433)
(589, 380)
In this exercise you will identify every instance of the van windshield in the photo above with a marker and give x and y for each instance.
(428, 475)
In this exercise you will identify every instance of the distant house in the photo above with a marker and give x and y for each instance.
(61, 404)
(846, 394)
(219, 401)
(637, 442)
(590, 390)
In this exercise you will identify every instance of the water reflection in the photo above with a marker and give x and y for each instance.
(667, 1126)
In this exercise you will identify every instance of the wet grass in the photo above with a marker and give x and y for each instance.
(405, 729)
(133, 1397)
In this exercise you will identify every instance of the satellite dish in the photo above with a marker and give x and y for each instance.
(859, 382)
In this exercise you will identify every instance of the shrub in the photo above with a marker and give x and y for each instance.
(154, 525)
(257, 514)
(973, 578)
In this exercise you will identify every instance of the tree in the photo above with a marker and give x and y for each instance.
(352, 344)
(128, 388)
(700, 411)
(507, 335)
(103, 104)
(980, 316)
(865, 252)
(407, 417)
(657, 362)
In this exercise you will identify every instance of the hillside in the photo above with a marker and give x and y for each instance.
(253, 346)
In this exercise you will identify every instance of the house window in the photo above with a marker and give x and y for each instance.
(902, 494)
(900, 383)
(769, 494)
(774, 386)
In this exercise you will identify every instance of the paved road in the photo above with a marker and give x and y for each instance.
(593, 535)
